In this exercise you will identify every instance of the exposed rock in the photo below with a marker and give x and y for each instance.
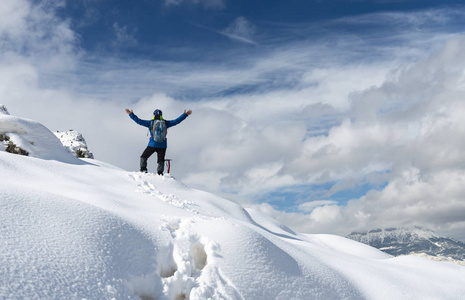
(3, 110)
(12, 148)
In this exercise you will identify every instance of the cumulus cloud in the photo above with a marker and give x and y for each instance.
(409, 129)
(434, 201)
(33, 33)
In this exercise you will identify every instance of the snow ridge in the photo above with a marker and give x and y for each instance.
(33, 139)
(72, 229)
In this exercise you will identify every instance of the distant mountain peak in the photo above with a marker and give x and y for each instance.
(403, 234)
(413, 241)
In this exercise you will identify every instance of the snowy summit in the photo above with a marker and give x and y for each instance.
(82, 229)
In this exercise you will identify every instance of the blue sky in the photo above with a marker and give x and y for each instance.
(330, 116)
(158, 27)
(229, 36)
(207, 30)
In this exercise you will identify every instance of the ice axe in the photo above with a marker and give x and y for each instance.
(168, 164)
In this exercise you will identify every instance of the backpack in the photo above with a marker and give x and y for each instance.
(159, 131)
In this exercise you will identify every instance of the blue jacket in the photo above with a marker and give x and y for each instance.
(148, 124)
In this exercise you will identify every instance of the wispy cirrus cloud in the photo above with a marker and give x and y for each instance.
(123, 38)
(241, 30)
(208, 4)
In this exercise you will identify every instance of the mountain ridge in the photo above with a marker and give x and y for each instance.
(413, 241)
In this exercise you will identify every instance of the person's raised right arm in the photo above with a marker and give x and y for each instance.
(132, 115)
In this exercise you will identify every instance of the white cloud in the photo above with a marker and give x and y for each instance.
(208, 4)
(434, 201)
(241, 30)
(123, 37)
(308, 207)
(410, 126)
(420, 19)
(13, 14)
(33, 33)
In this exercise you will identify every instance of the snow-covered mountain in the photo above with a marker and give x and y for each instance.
(78, 228)
(75, 143)
(413, 241)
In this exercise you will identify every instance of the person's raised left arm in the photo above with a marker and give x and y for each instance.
(181, 118)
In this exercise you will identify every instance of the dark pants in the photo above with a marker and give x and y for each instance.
(160, 159)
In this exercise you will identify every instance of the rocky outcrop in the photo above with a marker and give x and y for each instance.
(3, 110)
(74, 143)
(8, 145)
(11, 147)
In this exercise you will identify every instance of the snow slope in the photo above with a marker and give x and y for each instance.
(82, 229)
